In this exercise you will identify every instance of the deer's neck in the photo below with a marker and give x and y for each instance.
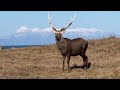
(60, 43)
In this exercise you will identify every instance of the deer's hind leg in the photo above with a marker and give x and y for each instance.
(85, 61)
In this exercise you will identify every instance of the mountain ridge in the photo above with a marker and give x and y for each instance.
(36, 36)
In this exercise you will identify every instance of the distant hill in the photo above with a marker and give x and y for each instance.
(25, 36)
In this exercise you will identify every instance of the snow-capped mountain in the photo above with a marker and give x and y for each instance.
(36, 36)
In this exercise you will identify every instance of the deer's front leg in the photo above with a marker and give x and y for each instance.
(63, 62)
(68, 62)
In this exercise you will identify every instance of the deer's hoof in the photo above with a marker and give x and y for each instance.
(63, 69)
(69, 69)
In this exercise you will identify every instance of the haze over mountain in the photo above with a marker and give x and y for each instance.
(37, 36)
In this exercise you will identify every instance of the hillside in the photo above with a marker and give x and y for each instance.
(45, 62)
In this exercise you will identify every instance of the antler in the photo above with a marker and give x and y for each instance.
(72, 19)
(49, 18)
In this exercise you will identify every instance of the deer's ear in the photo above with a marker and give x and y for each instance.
(54, 30)
(62, 31)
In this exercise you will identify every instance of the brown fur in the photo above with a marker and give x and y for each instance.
(70, 48)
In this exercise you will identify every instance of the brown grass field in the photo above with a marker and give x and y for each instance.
(45, 62)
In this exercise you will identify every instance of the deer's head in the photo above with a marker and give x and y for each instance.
(58, 33)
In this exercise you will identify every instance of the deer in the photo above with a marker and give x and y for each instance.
(69, 47)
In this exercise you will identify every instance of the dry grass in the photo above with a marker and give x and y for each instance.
(45, 62)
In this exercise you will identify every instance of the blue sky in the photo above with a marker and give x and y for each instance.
(11, 21)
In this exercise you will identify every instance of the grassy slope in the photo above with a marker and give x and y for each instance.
(46, 62)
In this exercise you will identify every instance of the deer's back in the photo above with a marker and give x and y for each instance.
(78, 46)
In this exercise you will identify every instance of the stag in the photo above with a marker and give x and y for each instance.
(68, 47)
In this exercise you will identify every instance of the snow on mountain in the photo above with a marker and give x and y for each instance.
(37, 36)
